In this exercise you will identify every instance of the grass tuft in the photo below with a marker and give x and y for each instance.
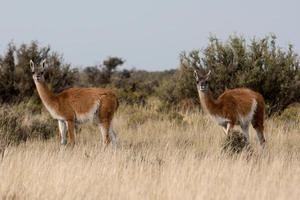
(235, 142)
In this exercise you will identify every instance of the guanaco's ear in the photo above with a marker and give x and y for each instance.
(32, 65)
(43, 64)
(207, 76)
(196, 75)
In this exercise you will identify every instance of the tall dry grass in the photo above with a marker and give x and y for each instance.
(157, 157)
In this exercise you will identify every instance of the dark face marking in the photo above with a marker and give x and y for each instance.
(202, 81)
(39, 76)
(37, 72)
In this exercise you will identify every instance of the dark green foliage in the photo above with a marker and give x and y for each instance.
(11, 131)
(16, 83)
(135, 87)
(290, 117)
(16, 126)
(260, 65)
(59, 75)
(132, 86)
(111, 64)
(93, 76)
(178, 89)
(7, 74)
(101, 75)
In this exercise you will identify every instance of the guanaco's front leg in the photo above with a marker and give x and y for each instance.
(71, 132)
(62, 132)
(229, 127)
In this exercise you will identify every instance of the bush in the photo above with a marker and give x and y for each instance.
(11, 129)
(290, 116)
(135, 87)
(101, 75)
(176, 91)
(17, 126)
(16, 83)
(260, 65)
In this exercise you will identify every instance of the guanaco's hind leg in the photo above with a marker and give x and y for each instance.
(260, 135)
(104, 128)
(71, 132)
(113, 135)
(258, 125)
(107, 108)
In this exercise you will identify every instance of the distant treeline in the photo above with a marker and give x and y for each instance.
(259, 64)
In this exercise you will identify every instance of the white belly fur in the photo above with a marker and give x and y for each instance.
(248, 118)
(220, 120)
(88, 116)
(242, 119)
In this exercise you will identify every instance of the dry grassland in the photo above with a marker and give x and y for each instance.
(156, 158)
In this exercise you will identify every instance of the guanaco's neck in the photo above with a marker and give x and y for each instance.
(48, 98)
(207, 102)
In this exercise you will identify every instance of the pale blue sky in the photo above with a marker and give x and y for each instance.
(147, 34)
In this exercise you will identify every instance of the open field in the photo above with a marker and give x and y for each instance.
(156, 158)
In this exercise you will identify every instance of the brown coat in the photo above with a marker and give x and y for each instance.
(80, 105)
(239, 106)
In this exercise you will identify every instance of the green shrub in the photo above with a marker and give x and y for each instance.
(260, 65)
(128, 97)
(290, 116)
(16, 83)
(11, 130)
(180, 87)
(101, 75)
(135, 87)
(16, 126)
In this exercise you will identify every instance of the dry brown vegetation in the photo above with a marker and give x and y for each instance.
(162, 157)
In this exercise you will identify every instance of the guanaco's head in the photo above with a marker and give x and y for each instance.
(38, 71)
(202, 80)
